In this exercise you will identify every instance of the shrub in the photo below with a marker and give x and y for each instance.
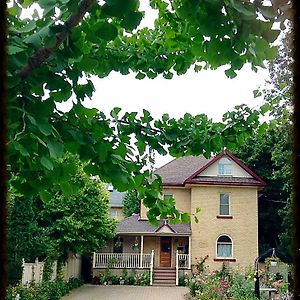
(44, 291)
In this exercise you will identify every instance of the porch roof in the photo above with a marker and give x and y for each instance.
(135, 225)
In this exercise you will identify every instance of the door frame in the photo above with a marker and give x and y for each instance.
(171, 249)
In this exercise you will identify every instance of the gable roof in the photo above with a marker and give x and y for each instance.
(185, 170)
(135, 225)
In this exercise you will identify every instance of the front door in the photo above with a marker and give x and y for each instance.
(165, 251)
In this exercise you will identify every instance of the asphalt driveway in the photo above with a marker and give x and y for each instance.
(127, 292)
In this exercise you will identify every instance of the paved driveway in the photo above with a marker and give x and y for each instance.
(127, 292)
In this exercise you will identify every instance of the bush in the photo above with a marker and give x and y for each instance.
(44, 291)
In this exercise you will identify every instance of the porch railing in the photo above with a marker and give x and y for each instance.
(121, 260)
(183, 261)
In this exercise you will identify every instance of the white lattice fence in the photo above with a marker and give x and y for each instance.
(33, 272)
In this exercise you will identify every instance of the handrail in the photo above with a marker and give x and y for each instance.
(151, 267)
(121, 260)
(176, 267)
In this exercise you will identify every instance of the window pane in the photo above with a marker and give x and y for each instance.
(224, 250)
(224, 199)
(168, 196)
(224, 239)
(224, 210)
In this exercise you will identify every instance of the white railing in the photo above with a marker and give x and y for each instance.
(151, 267)
(121, 260)
(183, 261)
(177, 267)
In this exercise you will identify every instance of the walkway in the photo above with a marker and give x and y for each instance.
(127, 292)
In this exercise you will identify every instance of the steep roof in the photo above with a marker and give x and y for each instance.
(134, 224)
(185, 170)
(178, 170)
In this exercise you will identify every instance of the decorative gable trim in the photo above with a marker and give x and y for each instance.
(165, 224)
(216, 158)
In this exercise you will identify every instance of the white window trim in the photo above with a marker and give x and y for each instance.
(227, 163)
(113, 210)
(229, 204)
(224, 257)
(172, 195)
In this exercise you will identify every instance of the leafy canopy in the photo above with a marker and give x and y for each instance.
(50, 54)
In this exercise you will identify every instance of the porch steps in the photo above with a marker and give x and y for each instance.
(164, 276)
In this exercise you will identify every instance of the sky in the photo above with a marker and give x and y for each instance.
(208, 91)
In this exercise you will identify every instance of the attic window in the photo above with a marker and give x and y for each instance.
(225, 166)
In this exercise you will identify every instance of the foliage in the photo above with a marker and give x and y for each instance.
(79, 223)
(106, 278)
(55, 224)
(220, 285)
(26, 239)
(131, 204)
(53, 54)
(45, 291)
(269, 156)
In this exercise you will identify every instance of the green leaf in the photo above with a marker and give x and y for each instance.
(88, 64)
(46, 163)
(56, 149)
(247, 9)
(120, 8)
(132, 20)
(196, 219)
(185, 218)
(230, 73)
(11, 49)
(106, 31)
(140, 75)
(257, 93)
(45, 128)
(45, 196)
(270, 35)
(198, 209)
(20, 148)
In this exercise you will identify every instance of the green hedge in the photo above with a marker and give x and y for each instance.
(53, 290)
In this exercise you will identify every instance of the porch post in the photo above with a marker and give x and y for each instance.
(142, 250)
(190, 251)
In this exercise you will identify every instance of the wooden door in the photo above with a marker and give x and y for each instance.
(165, 251)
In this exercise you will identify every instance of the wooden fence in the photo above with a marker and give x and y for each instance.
(33, 272)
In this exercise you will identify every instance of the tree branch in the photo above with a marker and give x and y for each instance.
(42, 54)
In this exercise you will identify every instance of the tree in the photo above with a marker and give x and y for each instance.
(69, 41)
(269, 156)
(131, 204)
(55, 224)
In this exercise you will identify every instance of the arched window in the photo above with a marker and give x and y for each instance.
(225, 166)
(224, 246)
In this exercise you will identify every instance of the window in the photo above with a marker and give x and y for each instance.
(224, 246)
(224, 205)
(225, 166)
(168, 196)
(113, 213)
(118, 245)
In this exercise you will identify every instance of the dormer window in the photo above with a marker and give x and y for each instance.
(225, 166)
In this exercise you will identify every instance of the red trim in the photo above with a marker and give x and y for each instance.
(225, 259)
(225, 183)
(236, 160)
(224, 217)
(204, 167)
(165, 224)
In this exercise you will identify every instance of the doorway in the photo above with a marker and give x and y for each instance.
(165, 251)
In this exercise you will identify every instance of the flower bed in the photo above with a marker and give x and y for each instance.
(134, 278)
(50, 290)
(229, 284)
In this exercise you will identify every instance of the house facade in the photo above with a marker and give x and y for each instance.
(225, 191)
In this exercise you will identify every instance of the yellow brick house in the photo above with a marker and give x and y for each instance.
(227, 193)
